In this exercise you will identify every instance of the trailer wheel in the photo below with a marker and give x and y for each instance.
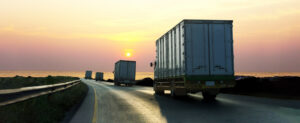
(208, 96)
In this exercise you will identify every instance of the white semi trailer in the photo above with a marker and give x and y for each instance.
(194, 56)
(88, 74)
(124, 73)
(99, 76)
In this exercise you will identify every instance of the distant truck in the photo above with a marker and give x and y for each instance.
(194, 56)
(88, 74)
(99, 76)
(124, 73)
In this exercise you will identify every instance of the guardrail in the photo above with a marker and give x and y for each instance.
(9, 96)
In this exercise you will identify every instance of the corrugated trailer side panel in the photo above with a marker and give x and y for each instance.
(159, 59)
(170, 54)
(119, 70)
(173, 52)
(168, 60)
(178, 50)
(162, 57)
(165, 56)
(156, 61)
(182, 49)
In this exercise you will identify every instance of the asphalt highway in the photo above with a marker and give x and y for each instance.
(106, 103)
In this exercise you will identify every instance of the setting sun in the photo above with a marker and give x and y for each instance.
(128, 54)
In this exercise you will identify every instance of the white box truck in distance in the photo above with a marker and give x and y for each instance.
(99, 76)
(124, 73)
(88, 74)
(194, 56)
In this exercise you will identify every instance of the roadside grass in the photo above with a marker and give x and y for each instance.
(44, 109)
(19, 81)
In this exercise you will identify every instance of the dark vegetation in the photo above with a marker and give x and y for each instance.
(44, 109)
(274, 87)
(19, 81)
(145, 82)
(109, 80)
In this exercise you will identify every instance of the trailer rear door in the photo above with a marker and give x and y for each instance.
(131, 70)
(220, 49)
(197, 49)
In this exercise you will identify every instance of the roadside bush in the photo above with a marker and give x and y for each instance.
(145, 82)
(109, 80)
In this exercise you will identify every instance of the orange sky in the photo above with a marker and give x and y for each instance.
(93, 34)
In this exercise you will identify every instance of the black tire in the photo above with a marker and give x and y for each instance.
(208, 96)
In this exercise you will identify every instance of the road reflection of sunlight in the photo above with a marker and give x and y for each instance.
(220, 99)
(150, 112)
